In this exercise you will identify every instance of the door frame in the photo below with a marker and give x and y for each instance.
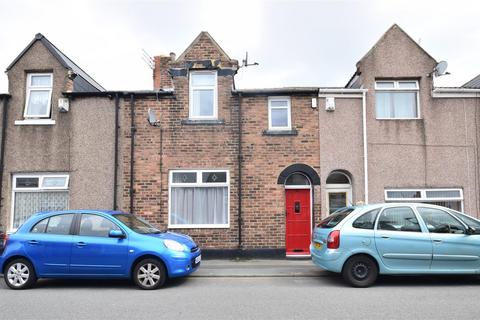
(301, 187)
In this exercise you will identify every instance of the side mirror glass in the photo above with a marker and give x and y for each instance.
(116, 234)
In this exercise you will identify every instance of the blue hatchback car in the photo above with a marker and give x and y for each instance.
(95, 244)
(396, 238)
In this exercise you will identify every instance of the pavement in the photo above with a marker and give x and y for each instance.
(258, 268)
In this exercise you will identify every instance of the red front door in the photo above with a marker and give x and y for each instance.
(298, 224)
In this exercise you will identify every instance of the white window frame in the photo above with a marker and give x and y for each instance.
(289, 112)
(35, 189)
(396, 88)
(215, 96)
(31, 88)
(423, 196)
(199, 183)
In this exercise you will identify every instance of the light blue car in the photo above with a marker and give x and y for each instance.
(396, 238)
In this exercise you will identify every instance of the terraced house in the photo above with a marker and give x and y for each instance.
(237, 169)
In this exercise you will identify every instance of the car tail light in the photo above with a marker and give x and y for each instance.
(3, 241)
(333, 240)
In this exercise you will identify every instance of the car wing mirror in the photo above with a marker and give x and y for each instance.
(471, 230)
(116, 234)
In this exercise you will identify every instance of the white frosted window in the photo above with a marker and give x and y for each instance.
(279, 117)
(39, 95)
(203, 95)
(396, 99)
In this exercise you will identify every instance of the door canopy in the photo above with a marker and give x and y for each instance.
(302, 168)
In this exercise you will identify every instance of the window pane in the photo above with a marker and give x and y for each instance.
(403, 194)
(438, 221)
(405, 104)
(398, 219)
(28, 203)
(279, 103)
(60, 224)
(279, 117)
(334, 219)
(44, 81)
(215, 177)
(385, 85)
(95, 226)
(38, 103)
(455, 205)
(367, 220)
(40, 226)
(297, 179)
(199, 205)
(203, 79)
(184, 177)
(203, 103)
(443, 194)
(336, 200)
(27, 183)
(407, 85)
(54, 182)
(337, 178)
(383, 104)
(467, 219)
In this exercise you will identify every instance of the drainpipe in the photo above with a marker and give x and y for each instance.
(240, 160)
(2, 154)
(115, 162)
(365, 147)
(133, 129)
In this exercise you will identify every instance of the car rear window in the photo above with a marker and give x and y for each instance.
(335, 218)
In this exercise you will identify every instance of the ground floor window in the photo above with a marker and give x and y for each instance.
(37, 192)
(450, 198)
(199, 198)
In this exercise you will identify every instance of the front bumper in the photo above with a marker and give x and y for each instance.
(183, 264)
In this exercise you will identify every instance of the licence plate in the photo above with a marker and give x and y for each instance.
(198, 259)
(317, 245)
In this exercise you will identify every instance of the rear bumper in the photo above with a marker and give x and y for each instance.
(183, 265)
(328, 259)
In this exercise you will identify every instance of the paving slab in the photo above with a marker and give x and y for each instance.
(258, 268)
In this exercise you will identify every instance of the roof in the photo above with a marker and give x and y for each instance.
(197, 39)
(282, 90)
(473, 84)
(82, 82)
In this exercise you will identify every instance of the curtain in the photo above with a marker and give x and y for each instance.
(28, 203)
(199, 205)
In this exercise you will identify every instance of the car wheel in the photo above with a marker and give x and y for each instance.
(360, 271)
(149, 274)
(19, 274)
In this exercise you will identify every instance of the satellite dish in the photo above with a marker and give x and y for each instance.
(152, 118)
(440, 69)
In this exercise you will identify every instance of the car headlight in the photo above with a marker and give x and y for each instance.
(173, 245)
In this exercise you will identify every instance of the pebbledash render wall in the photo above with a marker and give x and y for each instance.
(80, 143)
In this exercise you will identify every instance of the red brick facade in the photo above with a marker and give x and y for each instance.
(181, 144)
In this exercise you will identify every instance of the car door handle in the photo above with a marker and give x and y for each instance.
(437, 241)
(81, 244)
(33, 242)
(385, 237)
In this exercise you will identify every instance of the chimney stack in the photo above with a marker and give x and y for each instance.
(161, 77)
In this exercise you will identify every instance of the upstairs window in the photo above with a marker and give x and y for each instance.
(279, 117)
(39, 95)
(396, 99)
(203, 95)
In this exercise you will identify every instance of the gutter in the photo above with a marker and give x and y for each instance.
(5, 98)
(455, 93)
(133, 129)
(111, 94)
(240, 161)
(115, 162)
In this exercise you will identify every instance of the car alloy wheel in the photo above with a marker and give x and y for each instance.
(19, 274)
(149, 274)
(360, 271)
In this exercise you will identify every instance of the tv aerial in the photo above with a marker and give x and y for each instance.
(245, 62)
(148, 59)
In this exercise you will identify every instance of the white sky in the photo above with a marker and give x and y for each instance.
(297, 43)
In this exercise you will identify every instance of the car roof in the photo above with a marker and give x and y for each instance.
(394, 204)
(109, 212)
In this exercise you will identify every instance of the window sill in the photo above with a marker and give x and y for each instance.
(397, 119)
(35, 122)
(292, 132)
(202, 122)
(199, 226)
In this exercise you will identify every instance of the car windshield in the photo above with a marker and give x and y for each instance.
(471, 222)
(136, 224)
(335, 218)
